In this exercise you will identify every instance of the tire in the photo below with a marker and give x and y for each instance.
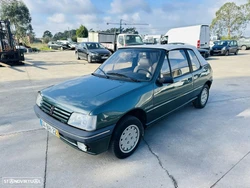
(236, 53)
(202, 99)
(89, 59)
(244, 47)
(227, 53)
(126, 137)
(77, 56)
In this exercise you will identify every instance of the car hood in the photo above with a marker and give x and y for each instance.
(100, 51)
(218, 47)
(86, 93)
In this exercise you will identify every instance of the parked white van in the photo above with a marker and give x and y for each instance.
(197, 35)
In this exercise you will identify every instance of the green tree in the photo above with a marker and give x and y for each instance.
(19, 16)
(130, 30)
(82, 31)
(47, 33)
(246, 10)
(230, 20)
(60, 36)
(65, 35)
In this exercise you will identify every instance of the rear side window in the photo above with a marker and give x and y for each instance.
(178, 62)
(194, 60)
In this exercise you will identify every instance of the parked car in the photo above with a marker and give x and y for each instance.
(131, 90)
(58, 45)
(23, 49)
(92, 51)
(225, 47)
(72, 45)
(244, 43)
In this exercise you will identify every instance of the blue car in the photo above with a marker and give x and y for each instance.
(225, 47)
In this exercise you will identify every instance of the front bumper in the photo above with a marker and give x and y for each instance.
(218, 52)
(96, 141)
(99, 58)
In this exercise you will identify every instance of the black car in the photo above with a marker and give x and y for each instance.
(58, 45)
(225, 47)
(92, 51)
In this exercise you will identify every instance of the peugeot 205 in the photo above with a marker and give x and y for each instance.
(135, 87)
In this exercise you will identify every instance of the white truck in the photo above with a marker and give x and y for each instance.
(114, 41)
(197, 35)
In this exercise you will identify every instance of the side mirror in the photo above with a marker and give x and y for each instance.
(166, 80)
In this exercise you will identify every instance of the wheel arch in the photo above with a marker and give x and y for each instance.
(138, 113)
(209, 83)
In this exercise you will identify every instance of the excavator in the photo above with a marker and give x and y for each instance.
(8, 53)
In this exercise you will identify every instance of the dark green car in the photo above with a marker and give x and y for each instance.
(134, 88)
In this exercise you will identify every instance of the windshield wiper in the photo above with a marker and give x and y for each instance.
(102, 72)
(123, 75)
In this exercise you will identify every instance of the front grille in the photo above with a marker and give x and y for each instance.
(104, 55)
(56, 112)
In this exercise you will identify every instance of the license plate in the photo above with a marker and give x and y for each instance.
(105, 57)
(50, 128)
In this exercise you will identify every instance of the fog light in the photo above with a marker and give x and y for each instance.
(81, 146)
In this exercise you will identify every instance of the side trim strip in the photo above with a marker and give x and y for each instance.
(173, 99)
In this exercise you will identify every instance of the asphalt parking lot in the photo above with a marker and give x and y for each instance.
(190, 148)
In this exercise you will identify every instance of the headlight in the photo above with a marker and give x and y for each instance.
(39, 99)
(82, 121)
(224, 48)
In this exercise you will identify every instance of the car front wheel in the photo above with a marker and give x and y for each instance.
(236, 53)
(126, 137)
(89, 59)
(202, 98)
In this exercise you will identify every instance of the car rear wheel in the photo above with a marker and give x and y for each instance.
(126, 137)
(89, 59)
(243, 47)
(202, 99)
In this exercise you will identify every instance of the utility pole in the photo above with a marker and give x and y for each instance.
(121, 23)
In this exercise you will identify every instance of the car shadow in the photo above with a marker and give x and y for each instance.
(212, 58)
(242, 53)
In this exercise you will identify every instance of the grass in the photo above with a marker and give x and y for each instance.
(40, 46)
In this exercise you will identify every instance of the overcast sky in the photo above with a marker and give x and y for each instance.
(160, 15)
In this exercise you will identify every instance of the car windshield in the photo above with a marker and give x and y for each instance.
(94, 46)
(133, 40)
(132, 64)
(222, 43)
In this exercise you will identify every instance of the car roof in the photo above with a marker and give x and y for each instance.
(167, 47)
